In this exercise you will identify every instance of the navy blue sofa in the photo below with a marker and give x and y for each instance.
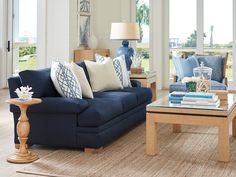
(78, 123)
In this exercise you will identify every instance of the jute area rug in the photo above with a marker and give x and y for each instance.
(192, 153)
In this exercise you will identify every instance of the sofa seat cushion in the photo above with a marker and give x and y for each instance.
(142, 94)
(127, 99)
(179, 86)
(99, 111)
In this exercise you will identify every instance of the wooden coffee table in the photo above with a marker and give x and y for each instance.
(161, 111)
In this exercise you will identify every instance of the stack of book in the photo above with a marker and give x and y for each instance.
(205, 100)
(176, 97)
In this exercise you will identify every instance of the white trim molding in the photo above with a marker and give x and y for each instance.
(200, 27)
(42, 33)
(233, 84)
(159, 37)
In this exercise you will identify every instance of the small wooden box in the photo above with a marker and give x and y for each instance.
(136, 70)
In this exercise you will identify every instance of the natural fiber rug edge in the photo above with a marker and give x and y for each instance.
(40, 174)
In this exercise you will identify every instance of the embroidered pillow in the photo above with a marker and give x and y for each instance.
(65, 81)
(120, 68)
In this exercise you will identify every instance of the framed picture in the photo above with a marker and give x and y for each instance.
(84, 22)
(84, 6)
(84, 30)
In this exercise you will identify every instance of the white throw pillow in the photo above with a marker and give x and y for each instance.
(80, 75)
(103, 76)
(120, 68)
(65, 81)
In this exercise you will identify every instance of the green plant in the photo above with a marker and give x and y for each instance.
(144, 51)
(142, 16)
(26, 51)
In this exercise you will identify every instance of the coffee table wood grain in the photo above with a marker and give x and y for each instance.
(161, 111)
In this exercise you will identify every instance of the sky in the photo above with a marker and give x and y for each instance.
(216, 12)
(28, 18)
(183, 19)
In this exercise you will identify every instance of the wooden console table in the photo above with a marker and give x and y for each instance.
(23, 129)
(147, 79)
(80, 55)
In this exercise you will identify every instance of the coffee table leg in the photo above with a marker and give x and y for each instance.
(151, 136)
(223, 143)
(234, 127)
(176, 128)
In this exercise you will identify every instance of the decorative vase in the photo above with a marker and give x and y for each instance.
(191, 86)
(93, 42)
(204, 78)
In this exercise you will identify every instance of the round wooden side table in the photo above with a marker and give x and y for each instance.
(23, 129)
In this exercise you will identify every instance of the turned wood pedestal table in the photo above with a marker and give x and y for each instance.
(22, 155)
(161, 111)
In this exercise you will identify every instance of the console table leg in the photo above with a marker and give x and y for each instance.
(223, 143)
(234, 127)
(151, 136)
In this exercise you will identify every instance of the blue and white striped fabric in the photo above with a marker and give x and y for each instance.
(65, 81)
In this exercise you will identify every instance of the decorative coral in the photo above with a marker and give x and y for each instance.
(24, 93)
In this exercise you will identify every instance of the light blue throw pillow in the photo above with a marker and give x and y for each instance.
(216, 63)
(184, 67)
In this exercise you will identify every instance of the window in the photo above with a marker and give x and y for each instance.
(182, 33)
(218, 30)
(24, 35)
(142, 18)
(216, 17)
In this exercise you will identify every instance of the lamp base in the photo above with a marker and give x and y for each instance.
(127, 51)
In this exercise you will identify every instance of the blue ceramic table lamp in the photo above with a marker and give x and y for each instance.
(125, 31)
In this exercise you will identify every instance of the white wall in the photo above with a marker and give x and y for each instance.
(61, 30)
(104, 13)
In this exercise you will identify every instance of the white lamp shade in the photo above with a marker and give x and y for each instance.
(125, 31)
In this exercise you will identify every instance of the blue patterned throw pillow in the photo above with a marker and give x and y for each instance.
(65, 81)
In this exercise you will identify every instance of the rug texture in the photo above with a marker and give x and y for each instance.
(192, 153)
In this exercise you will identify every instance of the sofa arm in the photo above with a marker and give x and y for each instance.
(135, 83)
(56, 105)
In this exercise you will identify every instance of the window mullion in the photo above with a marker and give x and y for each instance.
(200, 27)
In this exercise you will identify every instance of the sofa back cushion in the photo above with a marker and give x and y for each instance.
(40, 82)
(216, 63)
(82, 65)
(184, 67)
